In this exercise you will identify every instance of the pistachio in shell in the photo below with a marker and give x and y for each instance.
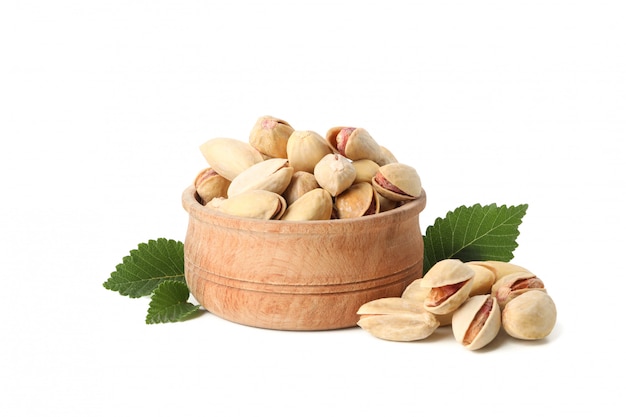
(354, 143)
(390, 305)
(272, 174)
(416, 293)
(512, 285)
(404, 326)
(530, 316)
(357, 201)
(477, 322)
(269, 136)
(316, 204)
(305, 149)
(254, 204)
(398, 182)
(450, 282)
(387, 156)
(335, 173)
(397, 319)
(301, 182)
(229, 157)
(209, 185)
(484, 279)
(365, 170)
(499, 268)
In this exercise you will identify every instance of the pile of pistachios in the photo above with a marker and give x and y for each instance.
(282, 173)
(477, 299)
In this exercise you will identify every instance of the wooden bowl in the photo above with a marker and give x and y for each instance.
(309, 275)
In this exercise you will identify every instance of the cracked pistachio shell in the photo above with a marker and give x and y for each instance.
(269, 136)
(254, 204)
(446, 272)
(357, 201)
(334, 173)
(398, 182)
(530, 316)
(400, 327)
(450, 303)
(209, 185)
(450, 283)
(354, 143)
(316, 204)
(365, 170)
(229, 157)
(512, 285)
(305, 149)
(272, 174)
(301, 183)
(390, 305)
(484, 279)
(477, 322)
(500, 268)
(417, 294)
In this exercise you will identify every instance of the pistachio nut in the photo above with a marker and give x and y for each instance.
(305, 149)
(417, 294)
(530, 316)
(357, 201)
(316, 204)
(390, 305)
(397, 182)
(269, 136)
(229, 157)
(209, 185)
(272, 174)
(450, 282)
(254, 204)
(477, 322)
(500, 268)
(415, 291)
(484, 279)
(387, 156)
(365, 170)
(515, 284)
(400, 327)
(301, 182)
(354, 143)
(334, 173)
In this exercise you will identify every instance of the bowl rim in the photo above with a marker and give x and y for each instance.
(195, 209)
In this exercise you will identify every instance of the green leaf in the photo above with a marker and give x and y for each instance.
(169, 303)
(475, 233)
(147, 266)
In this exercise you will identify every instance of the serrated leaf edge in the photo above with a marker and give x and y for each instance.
(502, 208)
(441, 222)
(129, 261)
(183, 302)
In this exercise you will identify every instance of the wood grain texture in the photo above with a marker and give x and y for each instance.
(310, 275)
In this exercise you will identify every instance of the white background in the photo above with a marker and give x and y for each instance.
(103, 105)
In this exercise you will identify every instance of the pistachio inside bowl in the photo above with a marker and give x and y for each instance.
(299, 275)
